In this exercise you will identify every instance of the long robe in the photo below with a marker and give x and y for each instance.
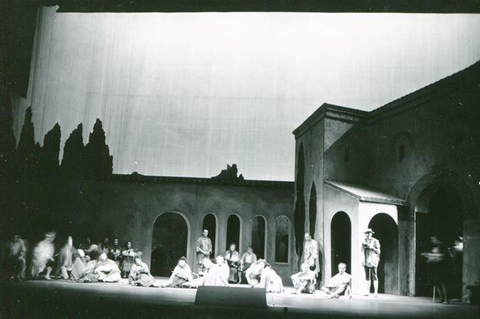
(42, 254)
(180, 275)
(217, 275)
(140, 275)
(310, 254)
(107, 271)
(205, 244)
(233, 261)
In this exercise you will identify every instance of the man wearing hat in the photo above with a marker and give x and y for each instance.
(371, 252)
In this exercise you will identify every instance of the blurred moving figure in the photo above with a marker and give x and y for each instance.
(440, 261)
(65, 259)
(43, 257)
(16, 263)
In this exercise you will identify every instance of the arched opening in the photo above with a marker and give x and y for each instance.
(299, 216)
(210, 224)
(169, 243)
(341, 245)
(440, 213)
(258, 236)
(282, 231)
(386, 231)
(313, 209)
(233, 231)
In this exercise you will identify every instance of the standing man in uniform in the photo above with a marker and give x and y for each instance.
(371, 252)
(203, 248)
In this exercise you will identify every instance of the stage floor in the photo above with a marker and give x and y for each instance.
(63, 299)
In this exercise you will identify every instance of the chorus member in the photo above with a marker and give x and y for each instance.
(248, 258)
(440, 261)
(233, 261)
(43, 257)
(116, 252)
(371, 253)
(84, 268)
(106, 269)
(65, 259)
(128, 254)
(104, 246)
(262, 275)
(140, 274)
(16, 258)
(180, 275)
(87, 246)
(339, 284)
(456, 257)
(218, 273)
(310, 253)
(203, 248)
(207, 265)
(80, 267)
(304, 281)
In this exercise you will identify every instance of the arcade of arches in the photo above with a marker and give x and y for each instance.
(171, 234)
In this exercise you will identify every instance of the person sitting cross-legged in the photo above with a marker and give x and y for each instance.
(304, 281)
(339, 284)
(107, 270)
(140, 274)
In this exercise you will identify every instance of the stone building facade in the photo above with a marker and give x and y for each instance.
(164, 216)
(409, 169)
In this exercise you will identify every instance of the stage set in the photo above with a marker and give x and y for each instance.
(61, 299)
(407, 172)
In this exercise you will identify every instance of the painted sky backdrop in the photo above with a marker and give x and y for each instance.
(185, 94)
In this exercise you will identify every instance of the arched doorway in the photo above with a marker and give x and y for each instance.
(210, 224)
(169, 243)
(440, 213)
(341, 245)
(386, 231)
(258, 236)
(233, 231)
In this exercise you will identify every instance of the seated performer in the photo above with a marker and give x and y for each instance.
(339, 284)
(206, 265)
(84, 268)
(107, 270)
(304, 281)
(262, 275)
(218, 273)
(128, 258)
(140, 274)
(180, 275)
(248, 258)
(233, 260)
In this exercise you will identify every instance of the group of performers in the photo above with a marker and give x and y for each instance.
(107, 263)
(88, 263)
(259, 273)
